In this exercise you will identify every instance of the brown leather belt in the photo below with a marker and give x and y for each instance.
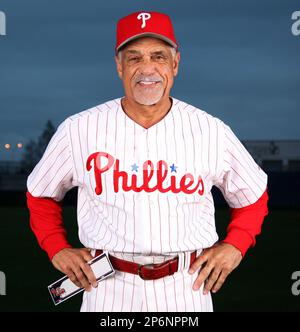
(147, 271)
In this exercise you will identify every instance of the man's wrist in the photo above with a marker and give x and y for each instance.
(240, 239)
(55, 243)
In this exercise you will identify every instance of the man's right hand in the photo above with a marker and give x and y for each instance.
(73, 263)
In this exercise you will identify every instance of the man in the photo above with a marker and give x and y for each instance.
(144, 166)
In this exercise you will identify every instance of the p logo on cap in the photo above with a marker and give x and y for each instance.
(144, 17)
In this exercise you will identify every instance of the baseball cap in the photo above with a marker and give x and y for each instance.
(145, 24)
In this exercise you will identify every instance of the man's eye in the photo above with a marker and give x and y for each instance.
(159, 57)
(133, 59)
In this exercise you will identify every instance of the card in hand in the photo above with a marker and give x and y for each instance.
(64, 288)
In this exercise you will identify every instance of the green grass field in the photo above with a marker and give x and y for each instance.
(261, 283)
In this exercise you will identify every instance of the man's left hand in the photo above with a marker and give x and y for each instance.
(217, 262)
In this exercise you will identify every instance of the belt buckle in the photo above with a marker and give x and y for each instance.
(140, 270)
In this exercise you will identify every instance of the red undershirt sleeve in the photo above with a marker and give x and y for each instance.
(245, 224)
(47, 224)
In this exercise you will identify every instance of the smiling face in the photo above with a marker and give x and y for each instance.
(147, 68)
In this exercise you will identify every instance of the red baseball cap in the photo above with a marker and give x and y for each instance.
(144, 24)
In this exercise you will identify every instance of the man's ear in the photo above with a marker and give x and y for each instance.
(176, 63)
(119, 66)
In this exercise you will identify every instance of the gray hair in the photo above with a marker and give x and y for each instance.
(173, 51)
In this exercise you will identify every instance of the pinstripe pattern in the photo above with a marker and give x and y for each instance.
(189, 141)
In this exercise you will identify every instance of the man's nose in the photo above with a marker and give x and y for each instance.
(147, 67)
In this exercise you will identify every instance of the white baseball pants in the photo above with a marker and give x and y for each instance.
(125, 292)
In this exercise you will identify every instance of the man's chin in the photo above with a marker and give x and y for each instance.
(147, 101)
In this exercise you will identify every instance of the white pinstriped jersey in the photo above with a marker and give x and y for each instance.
(143, 190)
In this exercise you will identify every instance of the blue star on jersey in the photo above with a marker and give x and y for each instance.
(173, 168)
(134, 167)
